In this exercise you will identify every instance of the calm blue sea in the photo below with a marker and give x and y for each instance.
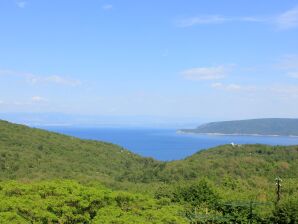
(166, 144)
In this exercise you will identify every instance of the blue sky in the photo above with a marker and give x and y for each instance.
(212, 60)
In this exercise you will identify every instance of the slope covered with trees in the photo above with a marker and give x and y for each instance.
(29, 153)
(266, 126)
(61, 179)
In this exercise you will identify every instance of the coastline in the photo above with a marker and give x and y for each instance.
(234, 134)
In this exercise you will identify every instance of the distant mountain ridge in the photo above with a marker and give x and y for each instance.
(262, 126)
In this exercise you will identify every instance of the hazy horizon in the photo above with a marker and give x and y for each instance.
(108, 121)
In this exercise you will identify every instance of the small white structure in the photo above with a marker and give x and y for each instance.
(234, 145)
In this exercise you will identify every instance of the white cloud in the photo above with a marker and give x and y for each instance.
(232, 87)
(55, 79)
(107, 7)
(36, 79)
(216, 19)
(293, 75)
(289, 62)
(38, 99)
(205, 73)
(6, 72)
(18, 103)
(217, 85)
(252, 19)
(286, 91)
(288, 19)
(21, 4)
(34, 100)
(207, 19)
(285, 20)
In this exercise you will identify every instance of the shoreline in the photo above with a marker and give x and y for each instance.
(234, 134)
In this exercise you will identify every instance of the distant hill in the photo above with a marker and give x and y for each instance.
(266, 126)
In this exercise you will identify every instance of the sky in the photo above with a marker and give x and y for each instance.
(209, 60)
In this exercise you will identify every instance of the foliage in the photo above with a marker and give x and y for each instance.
(286, 212)
(197, 194)
(265, 126)
(29, 153)
(226, 184)
(70, 202)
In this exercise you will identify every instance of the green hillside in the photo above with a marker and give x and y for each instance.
(34, 154)
(240, 161)
(70, 202)
(267, 126)
(61, 179)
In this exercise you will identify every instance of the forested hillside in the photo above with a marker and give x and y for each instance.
(266, 126)
(70, 202)
(34, 154)
(61, 179)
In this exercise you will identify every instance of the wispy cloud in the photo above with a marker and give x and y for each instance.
(56, 79)
(200, 20)
(21, 4)
(33, 101)
(289, 64)
(6, 72)
(281, 91)
(288, 19)
(36, 79)
(216, 19)
(232, 87)
(285, 20)
(107, 7)
(205, 73)
(38, 99)
(285, 91)
(293, 74)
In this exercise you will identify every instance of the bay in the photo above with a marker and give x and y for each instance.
(166, 144)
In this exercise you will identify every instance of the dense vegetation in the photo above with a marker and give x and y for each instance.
(226, 184)
(70, 202)
(33, 154)
(268, 126)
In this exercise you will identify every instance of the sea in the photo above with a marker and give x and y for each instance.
(166, 144)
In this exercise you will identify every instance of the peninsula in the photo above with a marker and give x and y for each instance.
(264, 126)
